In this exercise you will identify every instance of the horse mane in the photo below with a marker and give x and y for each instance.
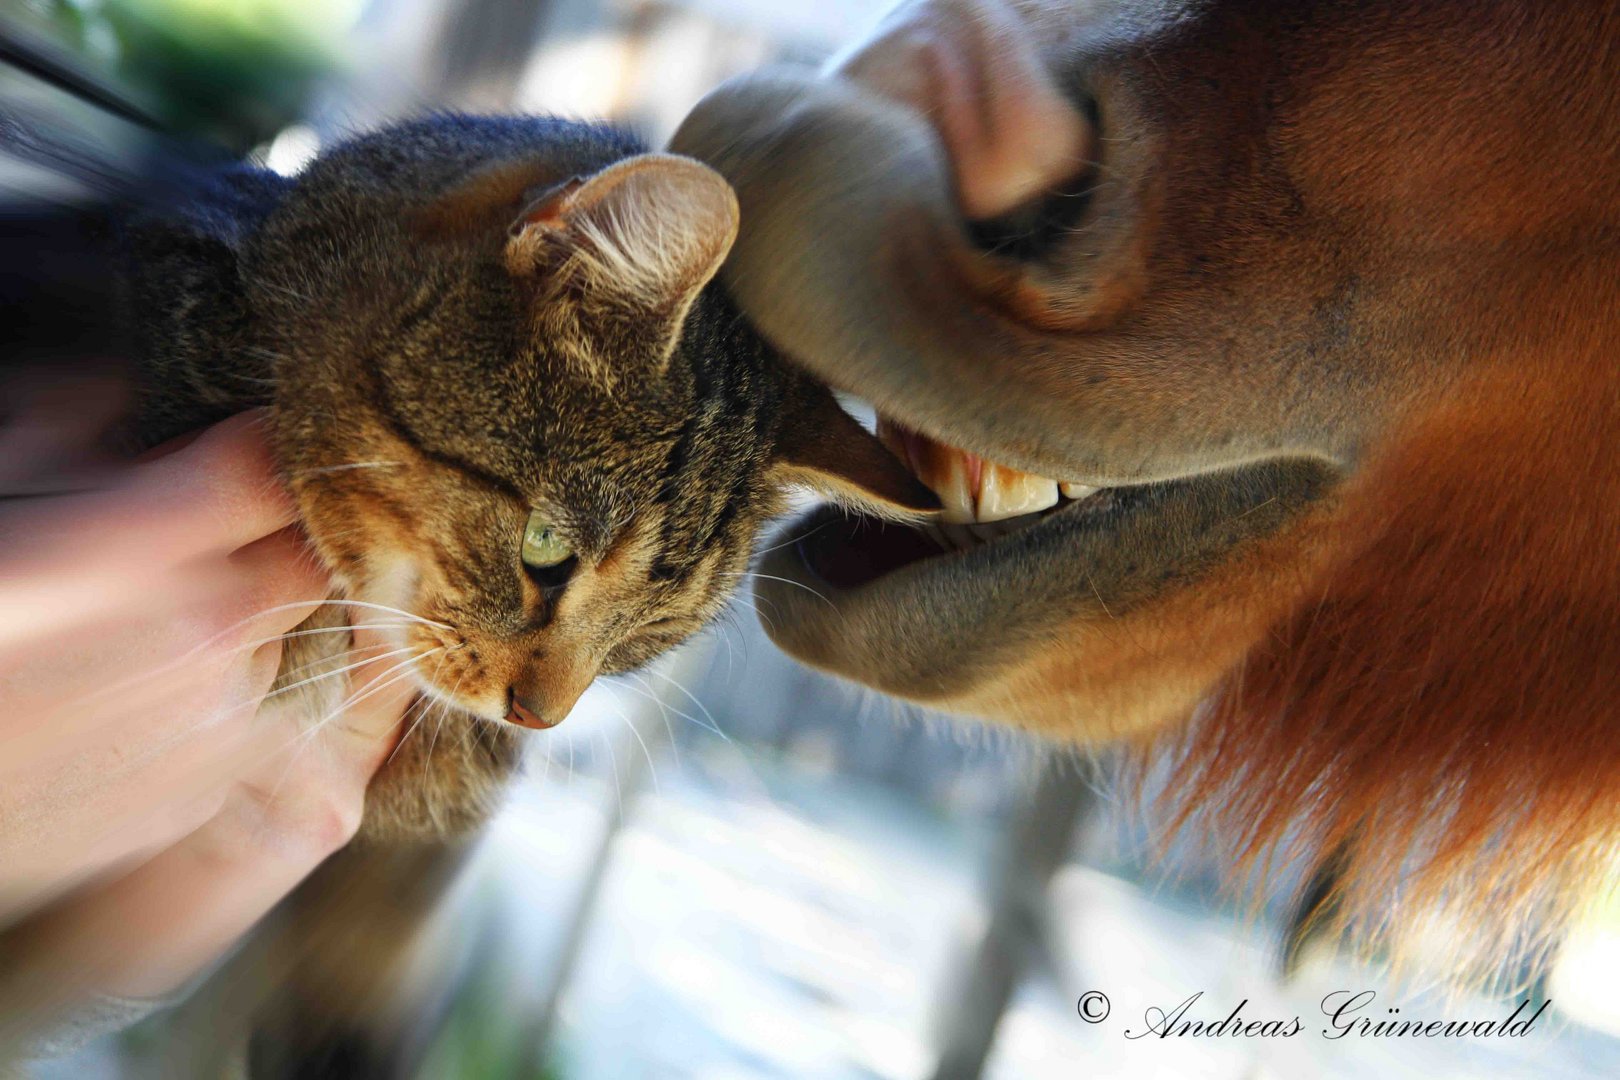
(1440, 716)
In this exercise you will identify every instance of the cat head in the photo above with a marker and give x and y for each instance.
(511, 405)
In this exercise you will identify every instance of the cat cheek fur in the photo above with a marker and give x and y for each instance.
(483, 646)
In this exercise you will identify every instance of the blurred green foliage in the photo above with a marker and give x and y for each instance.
(232, 71)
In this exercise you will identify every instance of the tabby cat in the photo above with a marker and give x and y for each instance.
(510, 404)
(506, 399)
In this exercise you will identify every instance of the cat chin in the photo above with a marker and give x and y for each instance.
(431, 789)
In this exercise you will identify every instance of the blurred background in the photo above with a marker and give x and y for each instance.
(730, 866)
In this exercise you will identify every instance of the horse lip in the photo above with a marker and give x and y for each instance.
(802, 557)
(935, 627)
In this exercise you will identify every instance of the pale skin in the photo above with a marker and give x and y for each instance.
(150, 810)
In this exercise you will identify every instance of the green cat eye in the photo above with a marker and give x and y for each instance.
(542, 547)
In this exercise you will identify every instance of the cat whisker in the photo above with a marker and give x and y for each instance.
(669, 729)
(446, 714)
(396, 611)
(245, 703)
(305, 738)
(723, 626)
(613, 763)
(325, 602)
(754, 607)
(676, 683)
(289, 635)
(652, 770)
(339, 671)
(476, 719)
(430, 701)
(398, 673)
(294, 605)
(729, 622)
(786, 581)
(649, 695)
(124, 685)
(449, 700)
(439, 726)
(433, 742)
(652, 766)
(420, 706)
(334, 658)
(793, 539)
(441, 710)
(726, 630)
(113, 691)
(325, 469)
(626, 719)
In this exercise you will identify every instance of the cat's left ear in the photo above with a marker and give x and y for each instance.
(825, 449)
(644, 235)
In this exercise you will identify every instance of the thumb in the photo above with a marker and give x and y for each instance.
(380, 693)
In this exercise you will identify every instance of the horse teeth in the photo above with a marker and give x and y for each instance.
(970, 489)
(950, 473)
(1007, 493)
(982, 500)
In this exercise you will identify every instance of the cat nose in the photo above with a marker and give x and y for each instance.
(527, 713)
(544, 701)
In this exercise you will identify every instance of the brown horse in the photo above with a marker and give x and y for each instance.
(1314, 309)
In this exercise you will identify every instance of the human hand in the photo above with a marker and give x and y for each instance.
(142, 634)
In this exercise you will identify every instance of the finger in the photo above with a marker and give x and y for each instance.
(104, 802)
(153, 777)
(149, 932)
(381, 691)
(281, 583)
(128, 620)
(223, 486)
(309, 784)
(86, 652)
(262, 668)
(214, 495)
(144, 710)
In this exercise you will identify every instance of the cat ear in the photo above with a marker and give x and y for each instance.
(648, 232)
(823, 448)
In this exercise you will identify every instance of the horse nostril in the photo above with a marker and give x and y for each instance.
(525, 714)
